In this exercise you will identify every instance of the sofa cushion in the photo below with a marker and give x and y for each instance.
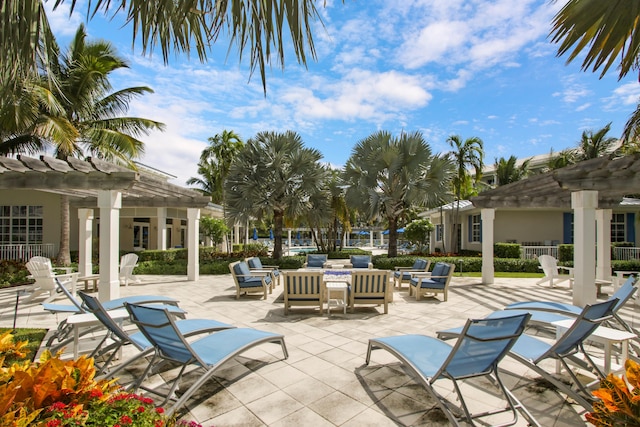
(316, 261)
(439, 272)
(360, 261)
(254, 262)
(419, 264)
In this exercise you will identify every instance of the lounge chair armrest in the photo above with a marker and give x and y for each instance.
(67, 277)
(568, 269)
(270, 266)
(421, 274)
(403, 268)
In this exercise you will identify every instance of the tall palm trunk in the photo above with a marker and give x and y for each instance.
(278, 220)
(393, 238)
(64, 257)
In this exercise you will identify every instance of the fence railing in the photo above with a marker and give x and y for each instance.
(619, 253)
(626, 254)
(24, 252)
(530, 252)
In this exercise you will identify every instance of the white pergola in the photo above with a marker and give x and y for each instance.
(591, 189)
(96, 184)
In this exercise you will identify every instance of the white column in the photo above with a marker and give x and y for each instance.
(371, 238)
(381, 239)
(289, 239)
(603, 240)
(246, 234)
(109, 202)
(193, 230)
(85, 239)
(162, 228)
(584, 204)
(488, 216)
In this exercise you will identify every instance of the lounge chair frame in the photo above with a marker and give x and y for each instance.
(208, 352)
(493, 337)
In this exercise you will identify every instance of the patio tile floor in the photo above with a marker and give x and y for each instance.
(324, 382)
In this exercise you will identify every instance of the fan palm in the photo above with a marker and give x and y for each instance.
(387, 176)
(596, 144)
(273, 174)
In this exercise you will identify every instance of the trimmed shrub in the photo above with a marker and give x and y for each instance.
(565, 253)
(506, 250)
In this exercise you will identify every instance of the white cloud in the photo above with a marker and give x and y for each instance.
(583, 106)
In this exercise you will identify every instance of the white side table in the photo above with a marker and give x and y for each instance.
(337, 302)
(603, 335)
(89, 319)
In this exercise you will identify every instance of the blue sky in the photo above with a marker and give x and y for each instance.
(480, 68)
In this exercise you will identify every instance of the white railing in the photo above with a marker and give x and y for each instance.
(626, 253)
(24, 252)
(531, 252)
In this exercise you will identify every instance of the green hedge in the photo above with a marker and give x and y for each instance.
(565, 253)
(506, 250)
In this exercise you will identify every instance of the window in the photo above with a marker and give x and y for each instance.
(618, 229)
(438, 232)
(476, 228)
(21, 224)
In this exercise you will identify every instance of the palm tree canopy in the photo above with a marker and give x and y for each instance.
(467, 153)
(256, 28)
(273, 174)
(596, 144)
(387, 176)
(508, 171)
(608, 30)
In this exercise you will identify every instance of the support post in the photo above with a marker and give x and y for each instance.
(488, 273)
(603, 240)
(109, 202)
(85, 240)
(162, 228)
(584, 204)
(193, 231)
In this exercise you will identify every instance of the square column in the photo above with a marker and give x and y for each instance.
(109, 202)
(162, 229)
(603, 250)
(193, 231)
(85, 237)
(584, 204)
(488, 271)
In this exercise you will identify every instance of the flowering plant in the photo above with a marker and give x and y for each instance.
(619, 403)
(118, 410)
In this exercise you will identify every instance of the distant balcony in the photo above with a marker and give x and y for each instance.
(618, 253)
(21, 252)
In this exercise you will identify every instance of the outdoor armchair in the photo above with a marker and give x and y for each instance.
(43, 274)
(303, 288)
(250, 282)
(359, 261)
(549, 265)
(370, 287)
(403, 274)
(315, 261)
(435, 282)
(255, 263)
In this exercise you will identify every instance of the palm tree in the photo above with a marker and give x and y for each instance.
(214, 164)
(273, 174)
(387, 176)
(595, 144)
(255, 28)
(466, 154)
(94, 112)
(507, 170)
(609, 32)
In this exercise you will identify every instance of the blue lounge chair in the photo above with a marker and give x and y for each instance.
(360, 261)
(623, 294)
(63, 333)
(480, 347)
(117, 337)
(530, 350)
(208, 352)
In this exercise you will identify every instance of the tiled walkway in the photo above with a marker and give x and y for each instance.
(324, 382)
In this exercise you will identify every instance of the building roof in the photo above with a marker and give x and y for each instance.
(81, 180)
(613, 178)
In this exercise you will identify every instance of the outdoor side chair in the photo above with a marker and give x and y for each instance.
(208, 352)
(370, 287)
(303, 288)
(481, 345)
(255, 263)
(434, 282)
(250, 282)
(45, 278)
(315, 261)
(549, 266)
(531, 351)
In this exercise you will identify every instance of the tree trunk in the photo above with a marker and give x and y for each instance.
(393, 238)
(64, 257)
(278, 217)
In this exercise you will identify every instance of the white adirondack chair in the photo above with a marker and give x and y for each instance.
(127, 263)
(549, 266)
(42, 272)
